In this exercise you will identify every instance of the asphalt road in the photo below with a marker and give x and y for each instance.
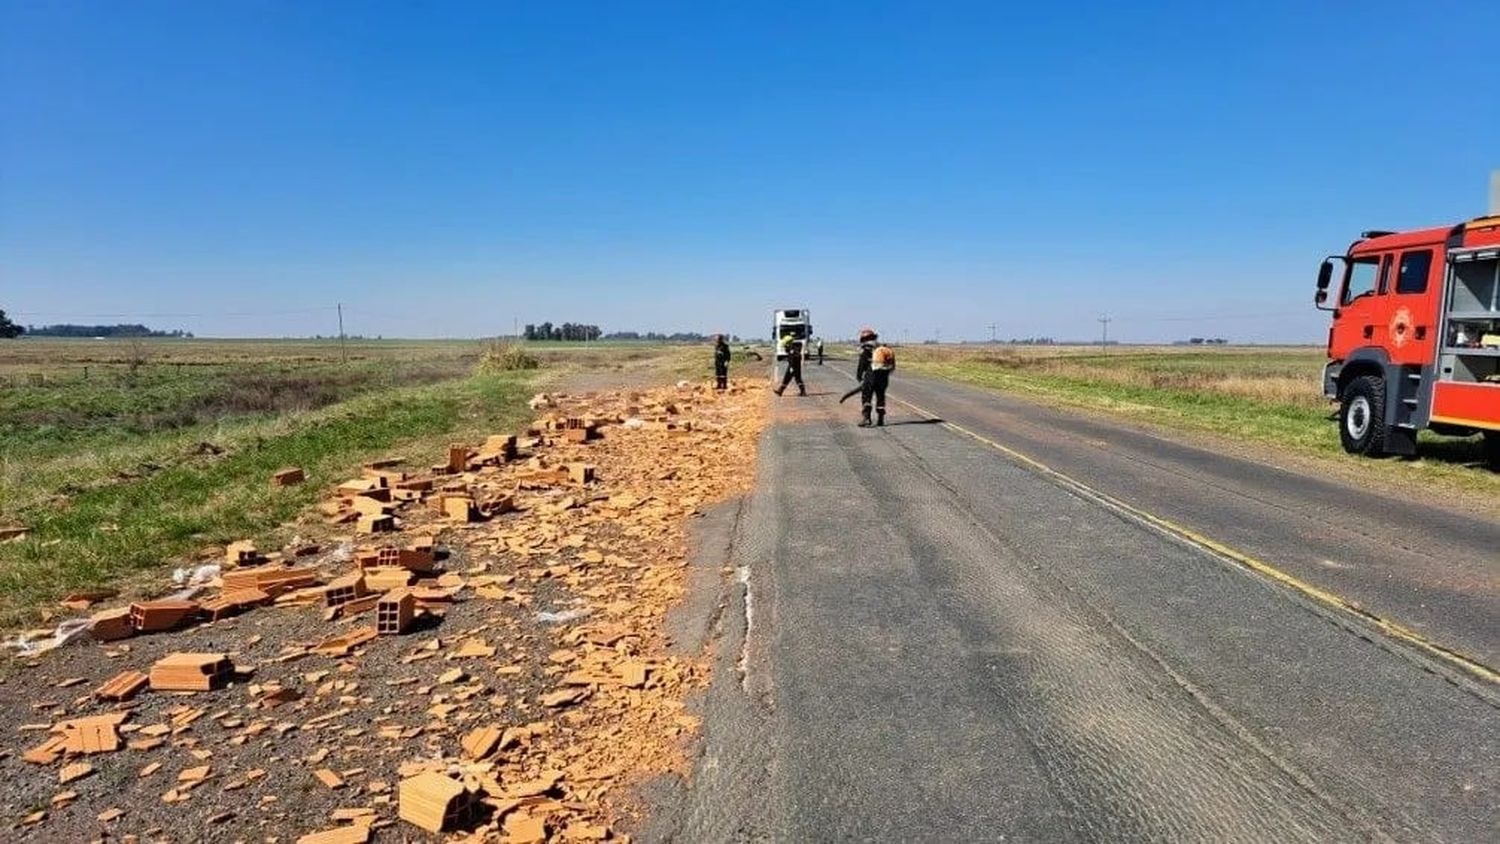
(931, 640)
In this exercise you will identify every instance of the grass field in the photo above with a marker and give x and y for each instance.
(121, 458)
(1269, 396)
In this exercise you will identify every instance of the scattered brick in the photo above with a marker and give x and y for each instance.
(74, 772)
(158, 616)
(395, 612)
(233, 602)
(47, 752)
(436, 803)
(191, 672)
(112, 625)
(480, 742)
(375, 524)
(242, 553)
(91, 735)
(342, 645)
(344, 589)
(458, 458)
(357, 833)
(581, 473)
(329, 778)
(384, 578)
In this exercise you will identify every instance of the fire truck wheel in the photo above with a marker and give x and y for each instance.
(1362, 416)
(1492, 448)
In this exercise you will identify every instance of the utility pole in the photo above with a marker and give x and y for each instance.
(993, 326)
(1104, 338)
(343, 347)
(1495, 192)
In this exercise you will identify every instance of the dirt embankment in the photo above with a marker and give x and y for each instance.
(532, 689)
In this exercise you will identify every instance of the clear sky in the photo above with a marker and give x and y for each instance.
(444, 169)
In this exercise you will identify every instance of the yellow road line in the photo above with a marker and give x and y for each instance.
(1390, 628)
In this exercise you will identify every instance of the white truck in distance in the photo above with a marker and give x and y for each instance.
(794, 321)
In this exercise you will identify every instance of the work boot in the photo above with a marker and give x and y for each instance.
(880, 418)
(778, 390)
(801, 391)
(864, 418)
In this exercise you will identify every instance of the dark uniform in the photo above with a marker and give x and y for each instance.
(874, 374)
(721, 364)
(793, 368)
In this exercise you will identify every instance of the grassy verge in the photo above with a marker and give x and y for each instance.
(1260, 397)
(113, 503)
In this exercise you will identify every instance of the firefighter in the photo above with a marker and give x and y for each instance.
(876, 363)
(820, 351)
(793, 348)
(721, 362)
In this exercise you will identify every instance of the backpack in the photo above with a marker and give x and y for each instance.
(883, 358)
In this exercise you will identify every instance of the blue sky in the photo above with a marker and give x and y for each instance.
(445, 169)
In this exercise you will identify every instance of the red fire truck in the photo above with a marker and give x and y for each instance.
(1415, 340)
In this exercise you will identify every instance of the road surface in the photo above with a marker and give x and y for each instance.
(933, 639)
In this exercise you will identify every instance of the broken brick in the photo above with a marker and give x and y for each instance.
(122, 686)
(111, 625)
(480, 742)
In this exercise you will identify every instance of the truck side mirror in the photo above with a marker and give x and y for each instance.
(1325, 275)
(1321, 297)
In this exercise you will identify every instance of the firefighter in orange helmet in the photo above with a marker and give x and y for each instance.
(876, 363)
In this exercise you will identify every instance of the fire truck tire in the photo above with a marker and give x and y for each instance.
(1492, 448)
(1362, 416)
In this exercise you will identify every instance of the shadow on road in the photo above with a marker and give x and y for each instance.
(915, 422)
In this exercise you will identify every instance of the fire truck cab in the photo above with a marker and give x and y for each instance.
(1415, 338)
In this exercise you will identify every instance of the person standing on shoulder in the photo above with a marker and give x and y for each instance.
(820, 351)
(721, 362)
(793, 367)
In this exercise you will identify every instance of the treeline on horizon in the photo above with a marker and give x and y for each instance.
(69, 330)
(577, 332)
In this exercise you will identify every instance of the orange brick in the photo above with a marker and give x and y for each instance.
(458, 458)
(191, 672)
(288, 477)
(375, 524)
(156, 616)
(344, 589)
(480, 742)
(110, 625)
(341, 645)
(394, 612)
(91, 735)
(460, 509)
(581, 473)
(436, 803)
(122, 686)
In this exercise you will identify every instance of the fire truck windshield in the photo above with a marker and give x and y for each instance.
(1361, 278)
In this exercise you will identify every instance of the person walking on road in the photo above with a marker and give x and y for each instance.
(793, 366)
(721, 362)
(876, 363)
(820, 351)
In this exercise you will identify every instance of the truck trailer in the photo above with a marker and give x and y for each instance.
(1415, 336)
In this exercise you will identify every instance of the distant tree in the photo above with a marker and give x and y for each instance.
(8, 329)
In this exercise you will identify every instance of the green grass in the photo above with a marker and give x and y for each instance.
(106, 499)
(1268, 397)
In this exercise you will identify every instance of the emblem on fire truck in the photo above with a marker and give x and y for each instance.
(1401, 326)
